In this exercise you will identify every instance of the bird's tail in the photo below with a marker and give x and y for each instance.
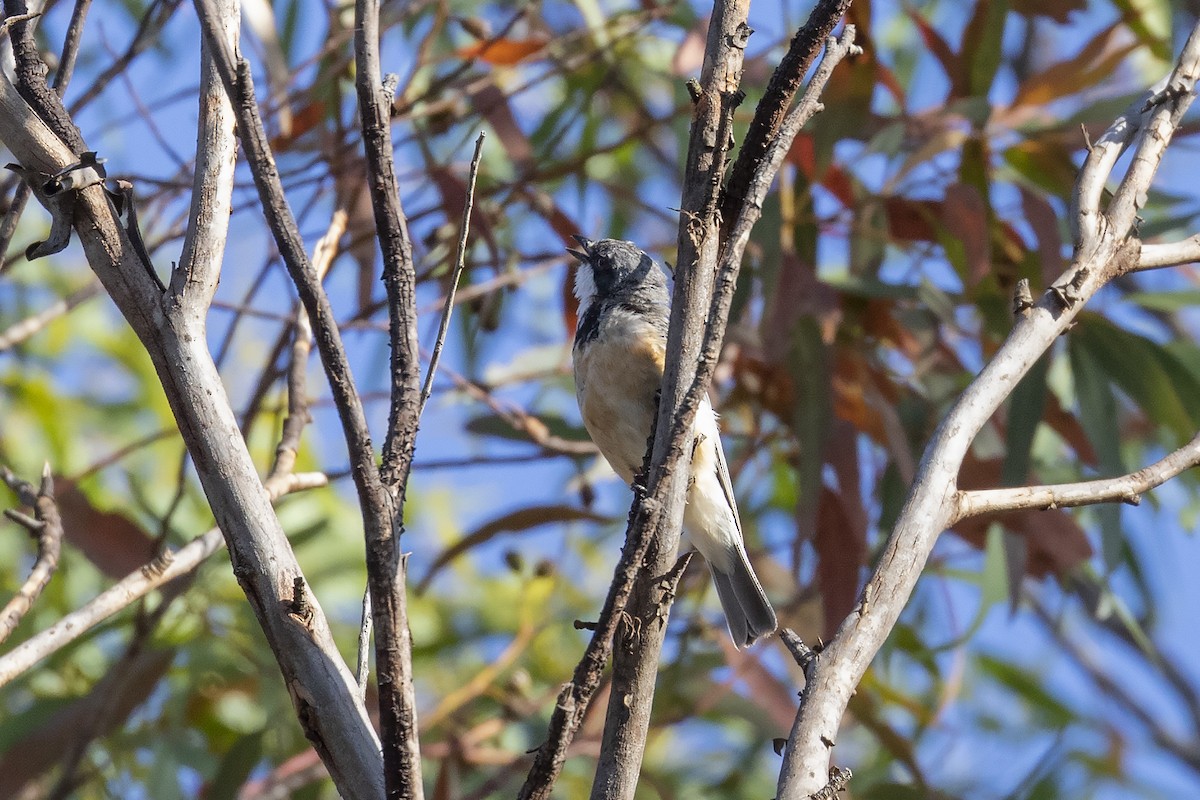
(747, 610)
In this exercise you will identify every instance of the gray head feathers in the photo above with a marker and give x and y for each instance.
(614, 274)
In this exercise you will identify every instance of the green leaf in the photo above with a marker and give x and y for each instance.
(1025, 408)
(1166, 301)
(1146, 371)
(235, 767)
(982, 41)
(494, 425)
(1097, 407)
(1150, 21)
(1040, 701)
(994, 581)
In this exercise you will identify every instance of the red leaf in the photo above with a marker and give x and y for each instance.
(1054, 541)
(964, 214)
(1094, 62)
(841, 551)
(110, 540)
(912, 220)
(308, 117)
(503, 52)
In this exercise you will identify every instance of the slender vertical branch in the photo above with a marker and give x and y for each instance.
(193, 280)
(385, 571)
(635, 663)
(320, 685)
(460, 260)
(776, 101)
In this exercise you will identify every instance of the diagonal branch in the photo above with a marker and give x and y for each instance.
(1106, 246)
(773, 108)
(167, 567)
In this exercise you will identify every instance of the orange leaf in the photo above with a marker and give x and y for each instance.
(303, 121)
(1094, 61)
(503, 52)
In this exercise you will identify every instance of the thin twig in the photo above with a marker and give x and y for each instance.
(22, 330)
(324, 253)
(520, 420)
(772, 109)
(47, 528)
(460, 259)
(134, 586)
(1123, 489)
(147, 35)
(363, 673)
(70, 50)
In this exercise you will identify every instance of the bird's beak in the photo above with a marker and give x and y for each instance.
(584, 255)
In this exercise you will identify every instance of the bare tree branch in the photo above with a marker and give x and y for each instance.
(166, 568)
(192, 281)
(70, 50)
(776, 101)
(649, 540)
(635, 662)
(297, 382)
(22, 330)
(47, 528)
(386, 578)
(1168, 254)
(1124, 489)
(1106, 246)
(321, 686)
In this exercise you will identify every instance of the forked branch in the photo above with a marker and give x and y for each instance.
(1106, 246)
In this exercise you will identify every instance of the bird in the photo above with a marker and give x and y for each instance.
(618, 356)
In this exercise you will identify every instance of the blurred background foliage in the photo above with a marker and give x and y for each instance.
(1045, 655)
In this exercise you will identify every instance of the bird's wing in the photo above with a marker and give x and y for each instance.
(707, 425)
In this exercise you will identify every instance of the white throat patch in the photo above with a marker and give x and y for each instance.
(585, 287)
